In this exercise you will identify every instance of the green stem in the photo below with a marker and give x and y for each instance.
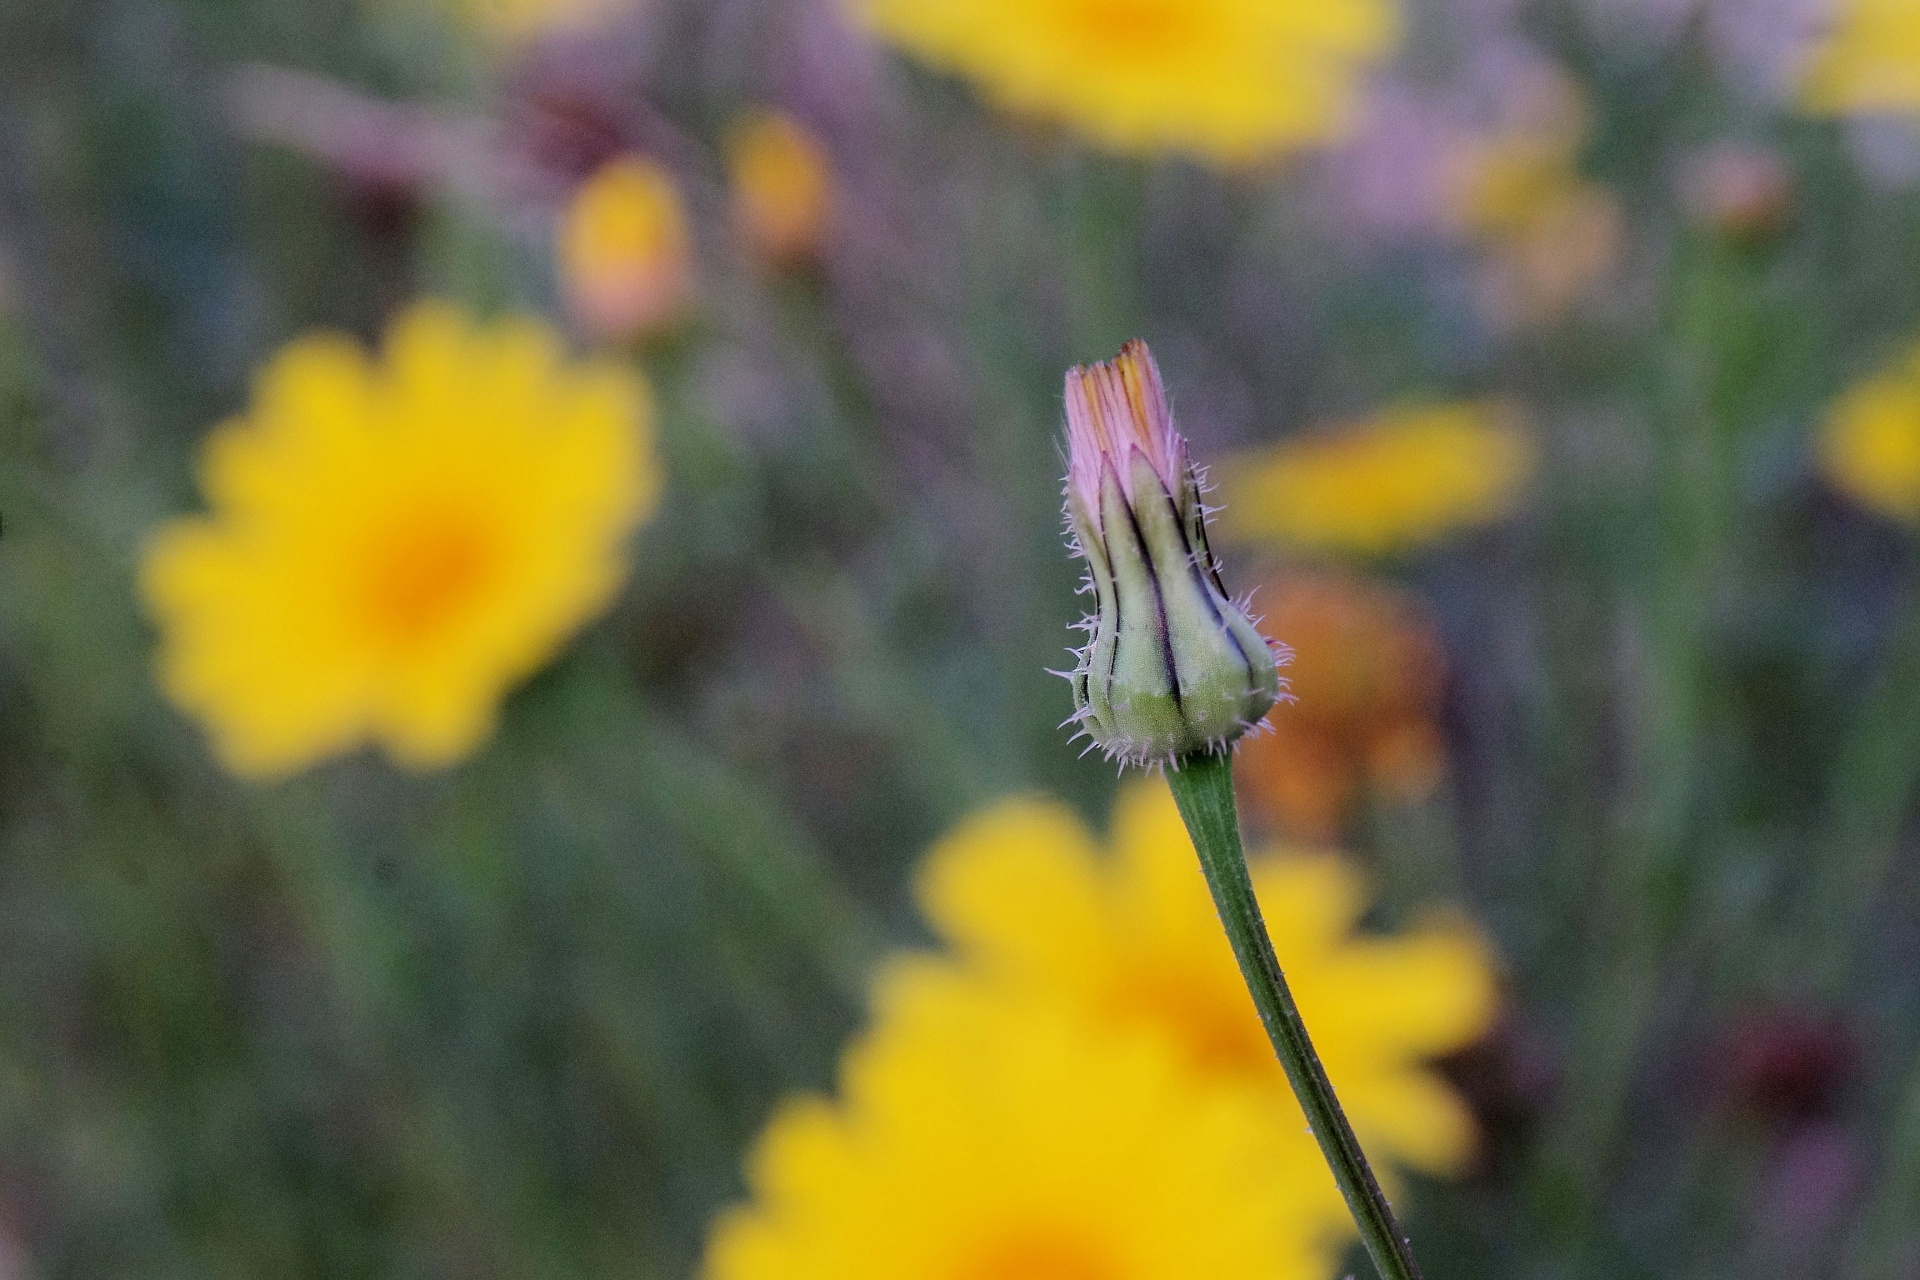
(1203, 788)
(1891, 1223)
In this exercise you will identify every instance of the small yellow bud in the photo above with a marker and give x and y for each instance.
(782, 188)
(625, 253)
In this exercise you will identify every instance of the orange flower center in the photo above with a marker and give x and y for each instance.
(1129, 28)
(1039, 1255)
(1215, 1026)
(424, 572)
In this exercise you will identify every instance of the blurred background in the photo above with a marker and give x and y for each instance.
(1553, 364)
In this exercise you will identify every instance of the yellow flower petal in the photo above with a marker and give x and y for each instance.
(1868, 63)
(1409, 478)
(1418, 1118)
(1870, 445)
(391, 544)
(1231, 80)
(1035, 843)
(1131, 941)
(977, 1138)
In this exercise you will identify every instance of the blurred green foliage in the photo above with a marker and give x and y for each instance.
(521, 1019)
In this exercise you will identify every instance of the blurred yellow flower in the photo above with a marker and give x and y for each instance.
(1496, 185)
(1870, 446)
(1230, 80)
(625, 251)
(981, 1139)
(1869, 61)
(1405, 479)
(1557, 257)
(1550, 235)
(1131, 940)
(782, 187)
(392, 543)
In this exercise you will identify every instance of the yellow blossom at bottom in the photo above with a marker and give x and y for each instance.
(392, 542)
(1131, 941)
(1870, 446)
(1409, 477)
(983, 1139)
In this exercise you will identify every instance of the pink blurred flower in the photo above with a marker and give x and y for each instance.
(1488, 162)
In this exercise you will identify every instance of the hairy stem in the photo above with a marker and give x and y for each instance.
(1203, 788)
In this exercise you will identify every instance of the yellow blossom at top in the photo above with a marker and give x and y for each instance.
(1408, 478)
(625, 251)
(1234, 81)
(391, 542)
(1869, 61)
(782, 187)
(981, 1139)
(1131, 941)
(1870, 446)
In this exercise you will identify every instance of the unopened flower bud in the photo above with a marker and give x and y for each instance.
(1173, 665)
(626, 253)
(782, 188)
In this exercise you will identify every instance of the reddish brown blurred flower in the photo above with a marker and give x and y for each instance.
(1788, 1065)
(1369, 678)
(1738, 190)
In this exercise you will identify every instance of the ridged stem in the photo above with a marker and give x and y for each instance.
(1203, 788)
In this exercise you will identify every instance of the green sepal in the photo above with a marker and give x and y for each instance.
(1173, 666)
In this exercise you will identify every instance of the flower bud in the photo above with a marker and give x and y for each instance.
(626, 253)
(1173, 666)
(782, 188)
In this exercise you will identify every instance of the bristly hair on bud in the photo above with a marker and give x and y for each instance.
(1173, 665)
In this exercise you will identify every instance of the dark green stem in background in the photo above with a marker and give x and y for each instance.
(1874, 784)
(1891, 1222)
(1203, 788)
